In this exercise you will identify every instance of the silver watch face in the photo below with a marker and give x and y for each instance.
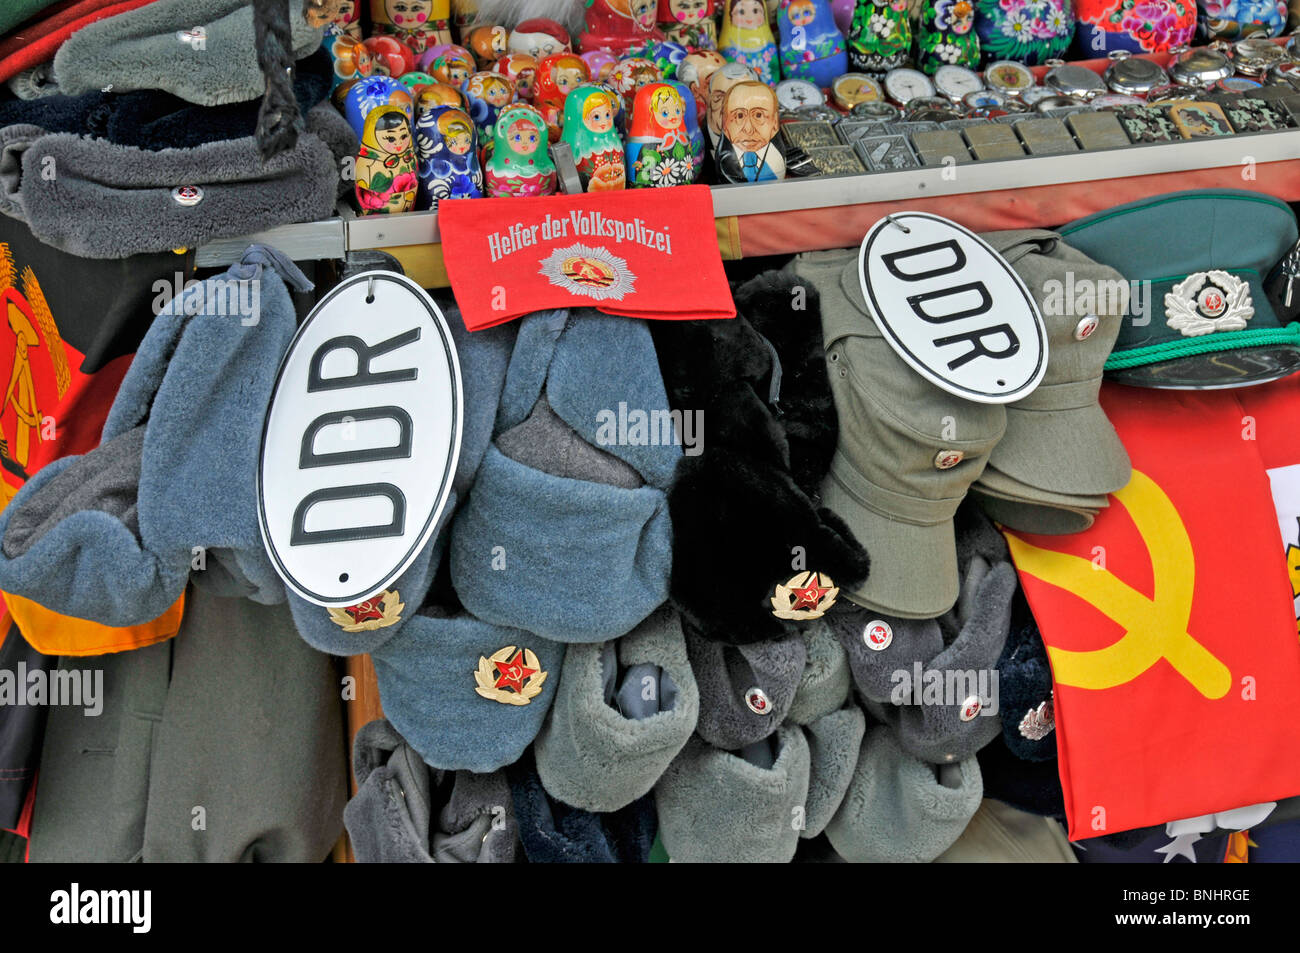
(876, 112)
(1256, 55)
(794, 93)
(956, 82)
(1202, 66)
(1008, 76)
(903, 85)
(1135, 76)
(1072, 80)
(1034, 94)
(984, 99)
(1048, 103)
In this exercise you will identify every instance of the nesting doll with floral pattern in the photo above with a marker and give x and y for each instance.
(658, 142)
(689, 22)
(747, 38)
(812, 46)
(386, 179)
(947, 35)
(520, 164)
(880, 36)
(417, 23)
(592, 134)
(556, 76)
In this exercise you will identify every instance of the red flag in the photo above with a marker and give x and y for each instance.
(644, 253)
(1169, 624)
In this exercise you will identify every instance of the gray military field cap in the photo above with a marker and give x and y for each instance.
(908, 451)
(1058, 438)
(1031, 510)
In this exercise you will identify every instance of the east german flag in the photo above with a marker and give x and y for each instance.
(1169, 624)
(70, 327)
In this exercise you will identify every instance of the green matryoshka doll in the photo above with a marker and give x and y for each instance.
(520, 164)
(947, 36)
(590, 130)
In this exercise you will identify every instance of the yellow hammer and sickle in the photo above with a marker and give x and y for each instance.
(1155, 628)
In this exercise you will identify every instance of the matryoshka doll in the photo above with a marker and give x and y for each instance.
(689, 22)
(417, 23)
(750, 149)
(488, 94)
(747, 38)
(658, 143)
(665, 55)
(880, 36)
(693, 130)
(947, 35)
(630, 75)
(390, 56)
(415, 82)
(446, 152)
(487, 43)
(438, 94)
(385, 171)
(347, 22)
(619, 25)
(521, 69)
(600, 63)
(812, 46)
(695, 71)
(451, 65)
(520, 164)
(350, 57)
(591, 132)
(366, 95)
(556, 76)
(720, 83)
(539, 38)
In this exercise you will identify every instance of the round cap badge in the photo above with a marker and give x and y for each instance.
(756, 700)
(877, 635)
(1087, 324)
(187, 195)
(947, 459)
(971, 707)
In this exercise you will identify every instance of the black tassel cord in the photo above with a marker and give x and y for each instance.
(279, 120)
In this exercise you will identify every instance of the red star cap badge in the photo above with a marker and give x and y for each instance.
(513, 673)
(808, 596)
(365, 611)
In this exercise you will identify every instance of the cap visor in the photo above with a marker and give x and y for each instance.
(913, 567)
(1074, 452)
(1214, 371)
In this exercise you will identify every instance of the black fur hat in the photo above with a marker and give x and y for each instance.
(744, 510)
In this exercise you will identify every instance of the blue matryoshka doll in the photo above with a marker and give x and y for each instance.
(446, 155)
(812, 47)
(693, 129)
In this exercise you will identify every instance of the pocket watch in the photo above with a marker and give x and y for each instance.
(984, 99)
(1174, 92)
(793, 93)
(1077, 81)
(876, 112)
(1237, 84)
(956, 82)
(1009, 77)
(1032, 95)
(904, 84)
(853, 88)
(1255, 56)
(1201, 67)
(1134, 76)
(1048, 103)
(930, 109)
(1285, 74)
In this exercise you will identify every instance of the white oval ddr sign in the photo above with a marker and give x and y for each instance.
(952, 308)
(361, 440)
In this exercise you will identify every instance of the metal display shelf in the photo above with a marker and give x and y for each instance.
(1231, 156)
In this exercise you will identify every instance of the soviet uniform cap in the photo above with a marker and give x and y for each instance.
(908, 451)
(1206, 254)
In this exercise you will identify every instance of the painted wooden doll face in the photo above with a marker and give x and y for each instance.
(668, 109)
(568, 77)
(643, 11)
(496, 93)
(801, 13)
(460, 142)
(748, 14)
(599, 117)
(688, 11)
(393, 135)
(751, 116)
(408, 14)
(720, 83)
(347, 12)
(523, 137)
